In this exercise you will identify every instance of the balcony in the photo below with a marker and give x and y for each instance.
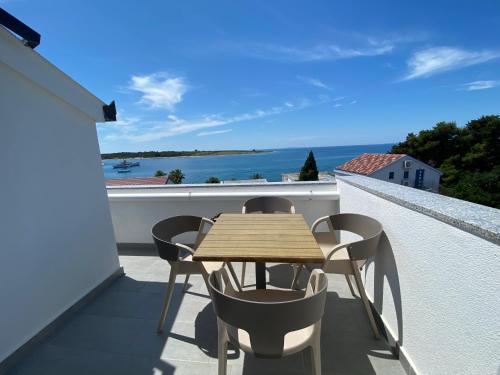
(70, 304)
(423, 284)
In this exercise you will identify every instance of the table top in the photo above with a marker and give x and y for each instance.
(280, 238)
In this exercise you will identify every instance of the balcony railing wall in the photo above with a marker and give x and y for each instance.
(435, 281)
(134, 210)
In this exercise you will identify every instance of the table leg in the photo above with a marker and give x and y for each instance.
(260, 275)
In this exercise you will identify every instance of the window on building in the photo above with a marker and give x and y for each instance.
(406, 174)
(391, 175)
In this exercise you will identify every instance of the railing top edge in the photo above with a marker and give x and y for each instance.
(476, 219)
(222, 186)
(307, 195)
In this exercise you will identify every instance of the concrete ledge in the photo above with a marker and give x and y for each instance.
(237, 192)
(12, 359)
(476, 219)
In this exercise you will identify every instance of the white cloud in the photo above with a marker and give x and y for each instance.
(159, 90)
(441, 59)
(319, 52)
(314, 82)
(480, 85)
(337, 105)
(176, 126)
(213, 132)
(353, 102)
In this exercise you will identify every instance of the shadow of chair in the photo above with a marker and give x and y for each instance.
(385, 271)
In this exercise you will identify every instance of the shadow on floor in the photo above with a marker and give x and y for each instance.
(116, 333)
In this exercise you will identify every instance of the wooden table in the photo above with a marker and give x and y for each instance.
(260, 238)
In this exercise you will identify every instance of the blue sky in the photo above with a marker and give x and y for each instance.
(264, 74)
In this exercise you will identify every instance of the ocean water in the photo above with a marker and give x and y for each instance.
(271, 165)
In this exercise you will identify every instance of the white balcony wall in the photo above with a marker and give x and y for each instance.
(437, 287)
(57, 242)
(134, 210)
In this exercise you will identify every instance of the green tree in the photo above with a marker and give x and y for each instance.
(212, 180)
(160, 173)
(176, 176)
(257, 176)
(469, 157)
(309, 171)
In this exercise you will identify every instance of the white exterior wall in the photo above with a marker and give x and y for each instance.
(56, 235)
(436, 287)
(134, 210)
(431, 176)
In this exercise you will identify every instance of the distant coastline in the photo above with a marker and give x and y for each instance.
(171, 154)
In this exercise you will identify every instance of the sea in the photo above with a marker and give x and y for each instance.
(271, 164)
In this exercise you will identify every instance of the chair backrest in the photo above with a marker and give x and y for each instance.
(366, 227)
(267, 322)
(268, 205)
(165, 230)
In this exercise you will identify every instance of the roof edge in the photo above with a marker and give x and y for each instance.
(34, 67)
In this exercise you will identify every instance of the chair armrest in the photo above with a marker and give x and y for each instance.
(205, 220)
(200, 236)
(318, 222)
(185, 247)
(335, 249)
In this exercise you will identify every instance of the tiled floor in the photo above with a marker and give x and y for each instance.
(115, 334)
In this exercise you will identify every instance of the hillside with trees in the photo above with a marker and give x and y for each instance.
(171, 154)
(468, 156)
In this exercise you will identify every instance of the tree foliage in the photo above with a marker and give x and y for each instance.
(309, 171)
(160, 173)
(257, 176)
(212, 180)
(469, 157)
(176, 176)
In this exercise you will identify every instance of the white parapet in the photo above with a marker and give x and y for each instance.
(435, 280)
(135, 209)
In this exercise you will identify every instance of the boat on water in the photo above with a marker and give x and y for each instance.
(125, 164)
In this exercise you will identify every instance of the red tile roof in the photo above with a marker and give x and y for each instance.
(369, 163)
(137, 181)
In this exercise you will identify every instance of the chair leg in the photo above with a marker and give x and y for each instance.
(348, 279)
(364, 298)
(297, 269)
(243, 270)
(233, 274)
(186, 283)
(222, 348)
(168, 297)
(316, 355)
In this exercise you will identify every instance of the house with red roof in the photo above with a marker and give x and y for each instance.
(401, 169)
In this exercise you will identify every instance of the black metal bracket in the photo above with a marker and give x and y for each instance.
(30, 37)
(109, 111)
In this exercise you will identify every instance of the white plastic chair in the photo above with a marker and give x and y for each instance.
(180, 256)
(269, 323)
(347, 258)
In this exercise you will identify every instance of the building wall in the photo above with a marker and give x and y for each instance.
(436, 287)
(431, 176)
(57, 240)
